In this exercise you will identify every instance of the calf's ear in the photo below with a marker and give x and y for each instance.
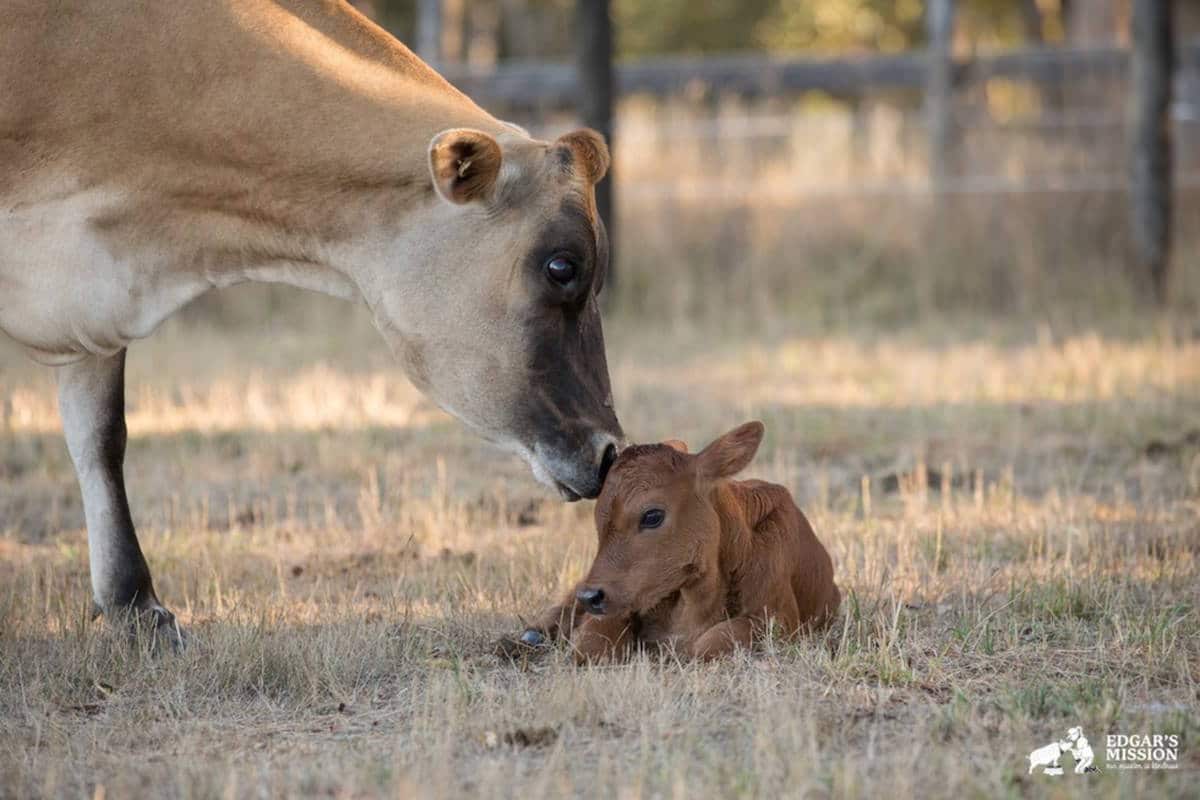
(676, 445)
(730, 454)
(464, 164)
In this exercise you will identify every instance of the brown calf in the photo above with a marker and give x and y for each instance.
(692, 560)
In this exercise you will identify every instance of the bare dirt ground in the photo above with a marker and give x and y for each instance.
(1014, 518)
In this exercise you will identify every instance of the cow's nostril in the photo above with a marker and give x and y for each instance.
(592, 600)
(606, 461)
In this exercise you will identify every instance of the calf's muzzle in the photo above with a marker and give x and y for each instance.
(592, 600)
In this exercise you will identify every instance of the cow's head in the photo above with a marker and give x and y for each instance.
(658, 526)
(495, 316)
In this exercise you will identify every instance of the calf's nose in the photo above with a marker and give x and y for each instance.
(592, 600)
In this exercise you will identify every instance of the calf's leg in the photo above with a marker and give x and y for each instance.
(601, 638)
(725, 637)
(555, 622)
(91, 399)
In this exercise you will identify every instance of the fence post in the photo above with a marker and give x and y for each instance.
(1031, 21)
(452, 21)
(594, 53)
(939, 88)
(429, 30)
(1151, 70)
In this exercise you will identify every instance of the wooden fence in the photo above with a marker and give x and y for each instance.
(556, 86)
(1162, 81)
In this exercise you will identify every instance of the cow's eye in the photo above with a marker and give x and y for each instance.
(561, 270)
(652, 518)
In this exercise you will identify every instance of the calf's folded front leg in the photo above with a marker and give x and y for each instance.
(602, 638)
(725, 637)
(557, 621)
(91, 398)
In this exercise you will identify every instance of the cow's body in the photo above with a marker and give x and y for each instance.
(152, 151)
(722, 560)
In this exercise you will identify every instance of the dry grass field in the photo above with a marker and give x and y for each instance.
(1014, 514)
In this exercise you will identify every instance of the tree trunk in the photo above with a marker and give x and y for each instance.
(1031, 21)
(594, 49)
(483, 44)
(521, 27)
(1152, 67)
(939, 91)
(1092, 22)
(368, 8)
(429, 30)
(454, 23)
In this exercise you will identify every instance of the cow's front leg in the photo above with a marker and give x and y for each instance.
(91, 400)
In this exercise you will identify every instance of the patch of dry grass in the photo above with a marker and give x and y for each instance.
(1016, 529)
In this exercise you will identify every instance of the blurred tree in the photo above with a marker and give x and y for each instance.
(538, 30)
(1096, 22)
(369, 8)
(428, 37)
(894, 25)
(535, 30)
(939, 92)
(689, 26)
(518, 30)
(1031, 21)
(1152, 67)
(594, 58)
(839, 25)
(483, 33)
(454, 23)
(399, 17)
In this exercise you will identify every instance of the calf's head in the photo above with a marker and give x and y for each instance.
(496, 317)
(658, 526)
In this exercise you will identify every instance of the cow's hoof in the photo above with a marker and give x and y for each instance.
(168, 634)
(153, 626)
(533, 638)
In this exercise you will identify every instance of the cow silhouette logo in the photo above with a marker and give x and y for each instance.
(1074, 743)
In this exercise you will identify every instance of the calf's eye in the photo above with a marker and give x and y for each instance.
(561, 270)
(652, 518)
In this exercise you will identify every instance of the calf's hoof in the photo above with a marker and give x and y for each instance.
(528, 644)
(533, 638)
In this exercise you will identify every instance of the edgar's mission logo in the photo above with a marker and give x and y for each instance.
(1075, 743)
(1142, 751)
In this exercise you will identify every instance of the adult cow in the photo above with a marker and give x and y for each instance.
(152, 151)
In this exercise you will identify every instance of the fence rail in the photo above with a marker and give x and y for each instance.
(1161, 80)
(556, 86)
(723, 194)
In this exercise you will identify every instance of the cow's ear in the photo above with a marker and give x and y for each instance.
(589, 153)
(676, 445)
(731, 453)
(464, 164)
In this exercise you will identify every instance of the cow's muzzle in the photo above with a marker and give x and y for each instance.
(575, 478)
